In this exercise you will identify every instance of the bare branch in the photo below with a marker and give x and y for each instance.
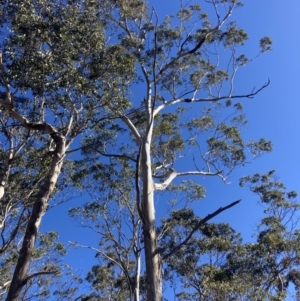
(132, 128)
(35, 126)
(198, 173)
(121, 156)
(5, 284)
(38, 274)
(198, 45)
(172, 174)
(197, 227)
(98, 251)
(213, 99)
(13, 233)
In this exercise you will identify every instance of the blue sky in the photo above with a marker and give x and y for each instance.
(273, 114)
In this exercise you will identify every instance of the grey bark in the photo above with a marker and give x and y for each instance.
(20, 276)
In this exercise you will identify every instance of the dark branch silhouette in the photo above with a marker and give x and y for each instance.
(200, 223)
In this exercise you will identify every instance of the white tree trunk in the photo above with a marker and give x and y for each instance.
(152, 256)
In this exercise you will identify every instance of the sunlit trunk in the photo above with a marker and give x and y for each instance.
(137, 278)
(152, 256)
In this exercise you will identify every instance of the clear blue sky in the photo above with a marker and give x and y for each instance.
(274, 114)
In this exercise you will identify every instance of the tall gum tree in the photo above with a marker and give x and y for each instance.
(68, 70)
(217, 265)
(49, 97)
(178, 63)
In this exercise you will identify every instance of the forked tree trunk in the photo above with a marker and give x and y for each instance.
(152, 256)
(20, 276)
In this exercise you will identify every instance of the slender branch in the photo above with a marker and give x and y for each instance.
(137, 277)
(187, 38)
(36, 126)
(198, 173)
(98, 251)
(74, 150)
(123, 156)
(5, 284)
(38, 274)
(153, 70)
(214, 99)
(132, 128)
(13, 233)
(73, 113)
(197, 227)
(198, 45)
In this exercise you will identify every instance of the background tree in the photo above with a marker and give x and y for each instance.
(113, 217)
(217, 265)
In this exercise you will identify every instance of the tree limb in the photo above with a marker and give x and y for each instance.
(98, 251)
(5, 284)
(38, 274)
(132, 128)
(35, 126)
(197, 227)
(214, 99)
(121, 156)
(173, 174)
(197, 46)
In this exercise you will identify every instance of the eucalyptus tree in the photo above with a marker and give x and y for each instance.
(115, 223)
(274, 259)
(177, 65)
(68, 71)
(50, 95)
(20, 178)
(217, 265)
(48, 277)
(22, 171)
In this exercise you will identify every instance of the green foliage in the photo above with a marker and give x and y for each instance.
(217, 265)
(265, 44)
(192, 191)
(107, 283)
(75, 67)
(234, 35)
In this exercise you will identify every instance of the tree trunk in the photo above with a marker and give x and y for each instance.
(20, 276)
(152, 256)
(137, 277)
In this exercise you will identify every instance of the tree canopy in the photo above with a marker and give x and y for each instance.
(107, 98)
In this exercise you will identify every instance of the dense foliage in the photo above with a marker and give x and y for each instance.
(108, 98)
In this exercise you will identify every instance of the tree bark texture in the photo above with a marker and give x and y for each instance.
(20, 276)
(152, 256)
